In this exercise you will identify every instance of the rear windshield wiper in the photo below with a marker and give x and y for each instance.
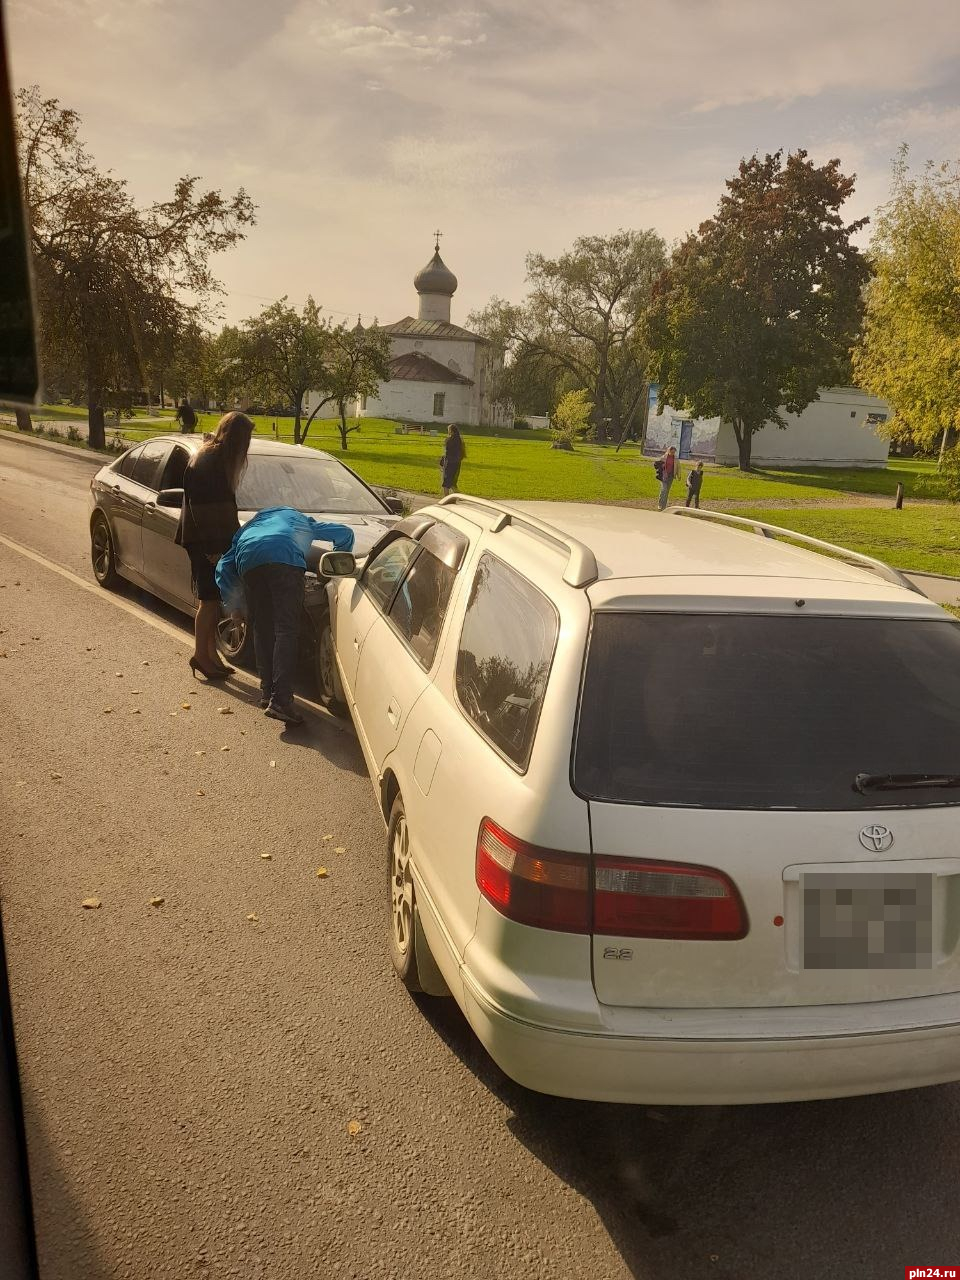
(865, 782)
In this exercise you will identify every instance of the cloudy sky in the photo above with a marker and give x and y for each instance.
(358, 127)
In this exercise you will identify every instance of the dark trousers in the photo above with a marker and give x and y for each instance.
(275, 603)
(693, 497)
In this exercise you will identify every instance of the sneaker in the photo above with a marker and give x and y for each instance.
(287, 712)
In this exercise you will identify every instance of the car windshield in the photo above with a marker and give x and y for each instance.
(746, 712)
(308, 484)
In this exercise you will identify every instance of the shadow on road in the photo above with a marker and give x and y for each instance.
(67, 1236)
(856, 1186)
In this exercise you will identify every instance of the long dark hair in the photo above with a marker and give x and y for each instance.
(230, 443)
(453, 432)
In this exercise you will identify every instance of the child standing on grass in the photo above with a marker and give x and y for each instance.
(694, 485)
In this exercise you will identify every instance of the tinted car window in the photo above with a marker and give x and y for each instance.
(506, 648)
(147, 468)
(741, 712)
(174, 468)
(308, 484)
(386, 568)
(129, 461)
(420, 605)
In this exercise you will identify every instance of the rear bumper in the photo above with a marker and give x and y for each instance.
(693, 1070)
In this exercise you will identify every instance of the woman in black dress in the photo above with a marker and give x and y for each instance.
(208, 522)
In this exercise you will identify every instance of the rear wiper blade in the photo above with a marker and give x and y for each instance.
(865, 782)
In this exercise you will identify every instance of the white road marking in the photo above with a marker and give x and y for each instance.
(143, 615)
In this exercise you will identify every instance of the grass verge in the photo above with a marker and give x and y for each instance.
(925, 539)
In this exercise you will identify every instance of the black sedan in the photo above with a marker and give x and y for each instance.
(135, 508)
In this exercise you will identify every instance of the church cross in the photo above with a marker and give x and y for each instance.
(436, 236)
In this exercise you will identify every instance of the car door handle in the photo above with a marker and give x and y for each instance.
(393, 712)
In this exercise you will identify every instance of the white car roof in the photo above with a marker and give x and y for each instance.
(642, 553)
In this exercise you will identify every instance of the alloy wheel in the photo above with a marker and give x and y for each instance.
(401, 887)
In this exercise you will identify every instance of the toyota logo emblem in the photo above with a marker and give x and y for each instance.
(876, 838)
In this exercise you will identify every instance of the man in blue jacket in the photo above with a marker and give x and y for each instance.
(266, 562)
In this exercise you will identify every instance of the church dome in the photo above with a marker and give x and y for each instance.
(436, 277)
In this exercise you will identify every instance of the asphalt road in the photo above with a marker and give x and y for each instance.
(190, 1073)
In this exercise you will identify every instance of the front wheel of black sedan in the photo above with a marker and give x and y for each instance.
(103, 555)
(235, 639)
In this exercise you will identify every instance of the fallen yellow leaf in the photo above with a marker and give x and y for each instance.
(354, 1127)
(91, 904)
(322, 872)
(253, 916)
(225, 711)
(185, 706)
(340, 849)
(200, 792)
(267, 857)
(156, 902)
(107, 710)
(328, 837)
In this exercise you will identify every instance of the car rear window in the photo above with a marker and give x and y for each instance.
(748, 712)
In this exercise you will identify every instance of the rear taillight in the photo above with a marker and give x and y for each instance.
(533, 886)
(634, 899)
(616, 897)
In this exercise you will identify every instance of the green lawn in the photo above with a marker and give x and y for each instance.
(926, 538)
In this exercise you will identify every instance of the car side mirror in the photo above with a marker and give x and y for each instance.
(170, 498)
(395, 506)
(337, 564)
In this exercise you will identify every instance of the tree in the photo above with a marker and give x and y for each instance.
(582, 322)
(761, 306)
(357, 362)
(910, 350)
(284, 354)
(571, 419)
(111, 275)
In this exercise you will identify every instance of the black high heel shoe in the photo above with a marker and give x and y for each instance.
(219, 674)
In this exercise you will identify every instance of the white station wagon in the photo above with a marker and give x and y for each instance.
(672, 807)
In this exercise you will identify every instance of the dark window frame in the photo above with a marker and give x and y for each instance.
(516, 766)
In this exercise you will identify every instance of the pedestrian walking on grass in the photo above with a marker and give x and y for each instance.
(208, 521)
(694, 485)
(454, 452)
(186, 417)
(666, 469)
(261, 575)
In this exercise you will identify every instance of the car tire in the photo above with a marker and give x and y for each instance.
(402, 900)
(329, 688)
(103, 555)
(235, 639)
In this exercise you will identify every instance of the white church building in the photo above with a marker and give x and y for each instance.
(439, 372)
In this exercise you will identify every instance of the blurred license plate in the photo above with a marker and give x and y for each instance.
(866, 920)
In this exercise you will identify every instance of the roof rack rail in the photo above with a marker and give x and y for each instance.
(581, 567)
(774, 530)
